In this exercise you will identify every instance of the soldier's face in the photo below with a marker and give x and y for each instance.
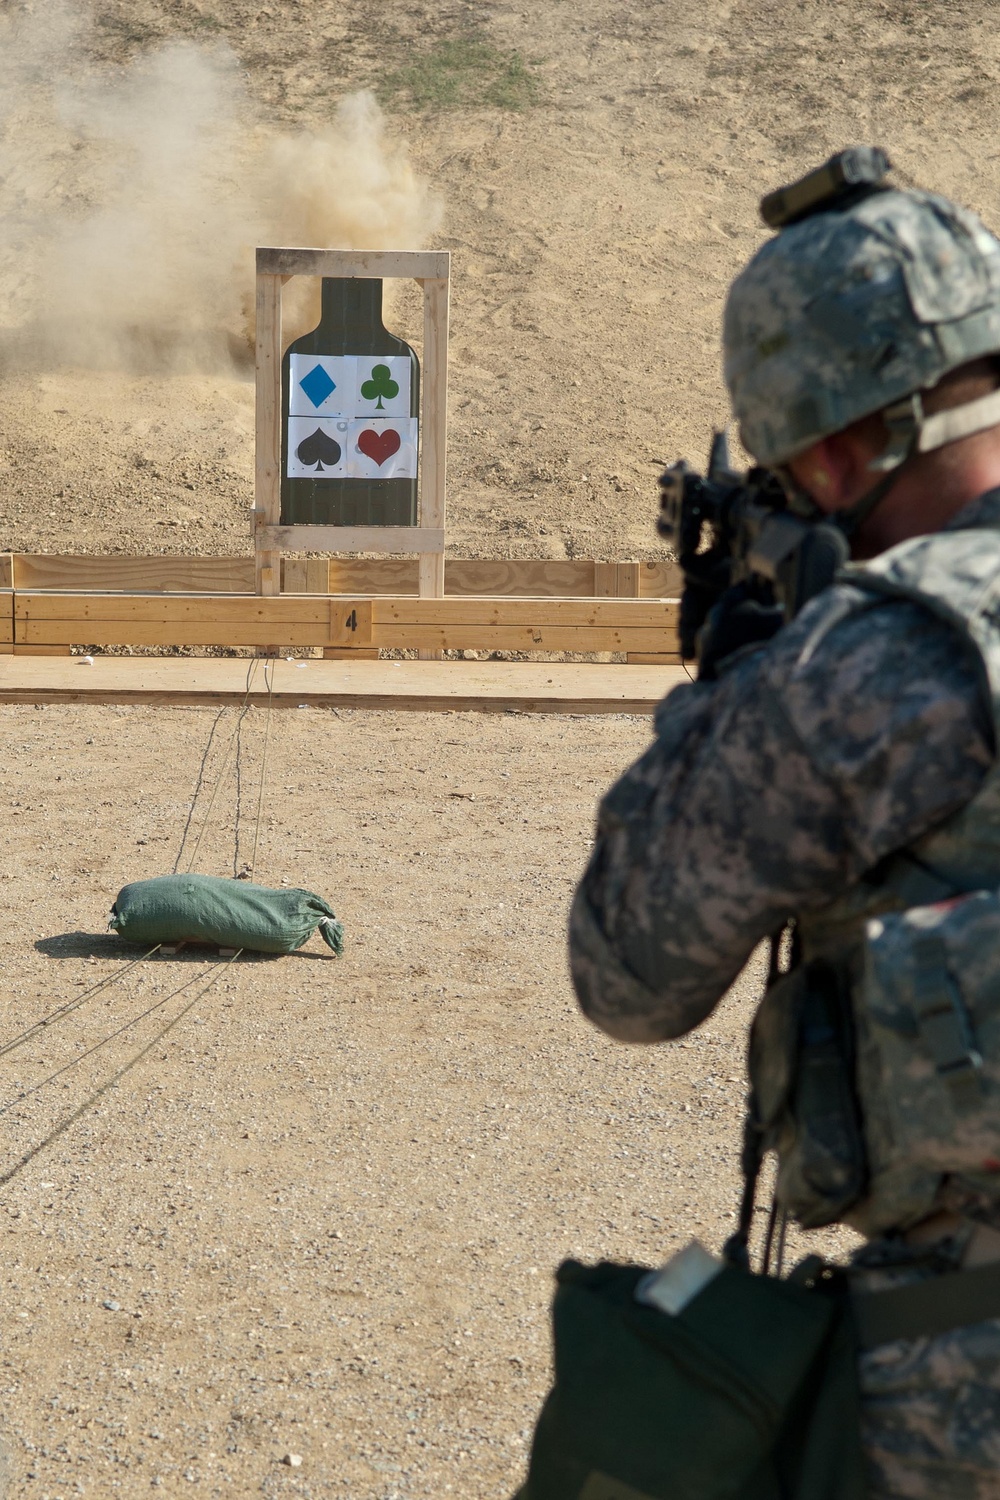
(834, 471)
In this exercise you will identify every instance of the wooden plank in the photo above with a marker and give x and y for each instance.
(267, 444)
(170, 573)
(662, 579)
(420, 264)
(166, 574)
(430, 574)
(350, 653)
(267, 636)
(654, 658)
(63, 650)
(525, 687)
(7, 616)
(435, 432)
(628, 580)
(231, 608)
(46, 617)
(524, 624)
(468, 636)
(305, 575)
(534, 578)
(606, 580)
(191, 620)
(649, 613)
(531, 579)
(387, 539)
(373, 575)
(307, 608)
(6, 570)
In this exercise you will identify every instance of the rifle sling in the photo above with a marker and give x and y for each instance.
(925, 1309)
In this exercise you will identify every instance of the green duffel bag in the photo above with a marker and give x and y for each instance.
(231, 913)
(748, 1392)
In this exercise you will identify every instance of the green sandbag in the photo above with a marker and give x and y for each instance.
(231, 913)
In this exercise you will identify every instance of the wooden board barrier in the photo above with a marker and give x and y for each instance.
(524, 624)
(46, 618)
(421, 265)
(49, 618)
(175, 573)
(499, 687)
(139, 575)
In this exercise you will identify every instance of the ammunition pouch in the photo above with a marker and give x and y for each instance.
(803, 1088)
(749, 1392)
(930, 995)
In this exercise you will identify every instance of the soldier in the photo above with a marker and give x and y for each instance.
(842, 777)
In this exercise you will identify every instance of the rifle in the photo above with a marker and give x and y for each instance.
(749, 562)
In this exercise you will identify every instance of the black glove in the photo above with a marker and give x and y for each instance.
(739, 619)
(707, 579)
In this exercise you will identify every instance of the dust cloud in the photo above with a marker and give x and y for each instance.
(131, 200)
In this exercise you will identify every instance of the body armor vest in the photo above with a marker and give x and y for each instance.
(875, 1062)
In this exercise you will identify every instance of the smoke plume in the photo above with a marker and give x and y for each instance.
(130, 201)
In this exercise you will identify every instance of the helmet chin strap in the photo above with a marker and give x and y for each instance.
(911, 432)
(848, 520)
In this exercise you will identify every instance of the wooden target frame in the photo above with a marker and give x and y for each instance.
(431, 269)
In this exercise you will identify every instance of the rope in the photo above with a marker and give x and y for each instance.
(241, 714)
(197, 788)
(269, 680)
(239, 808)
(26, 1093)
(71, 1005)
(106, 1087)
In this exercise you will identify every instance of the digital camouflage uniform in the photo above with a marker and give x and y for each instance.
(864, 728)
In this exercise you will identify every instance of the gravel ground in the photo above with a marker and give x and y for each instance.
(320, 1217)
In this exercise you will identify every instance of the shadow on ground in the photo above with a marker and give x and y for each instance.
(107, 945)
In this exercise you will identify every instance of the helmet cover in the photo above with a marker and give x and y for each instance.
(847, 311)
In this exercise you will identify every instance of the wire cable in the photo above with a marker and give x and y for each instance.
(241, 714)
(199, 782)
(133, 1021)
(71, 1005)
(269, 680)
(106, 1087)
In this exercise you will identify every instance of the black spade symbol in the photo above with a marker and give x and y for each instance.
(319, 449)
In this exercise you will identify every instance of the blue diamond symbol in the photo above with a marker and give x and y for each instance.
(318, 385)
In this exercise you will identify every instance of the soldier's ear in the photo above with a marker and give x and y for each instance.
(831, 470)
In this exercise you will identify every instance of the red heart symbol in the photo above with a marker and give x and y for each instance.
(378, 446)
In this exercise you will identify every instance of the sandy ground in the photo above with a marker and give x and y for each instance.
(320, 1218)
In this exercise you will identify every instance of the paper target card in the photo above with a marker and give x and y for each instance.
(382, 449)
(322, 385)
(317, 448)
(383, 386)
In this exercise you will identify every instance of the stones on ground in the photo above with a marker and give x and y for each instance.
(293, 1460)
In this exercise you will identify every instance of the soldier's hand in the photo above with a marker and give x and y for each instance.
(736, 621)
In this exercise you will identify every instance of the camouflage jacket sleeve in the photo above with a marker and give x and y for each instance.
(768, 793)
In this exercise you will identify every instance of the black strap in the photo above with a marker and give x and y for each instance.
(944, 1022)
(925, 1309)
(736, 1250)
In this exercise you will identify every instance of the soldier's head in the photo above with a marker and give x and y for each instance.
(861, 352)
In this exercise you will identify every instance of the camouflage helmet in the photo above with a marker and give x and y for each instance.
(848, 311)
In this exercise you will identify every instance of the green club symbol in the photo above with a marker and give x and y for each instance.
(381, 384)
